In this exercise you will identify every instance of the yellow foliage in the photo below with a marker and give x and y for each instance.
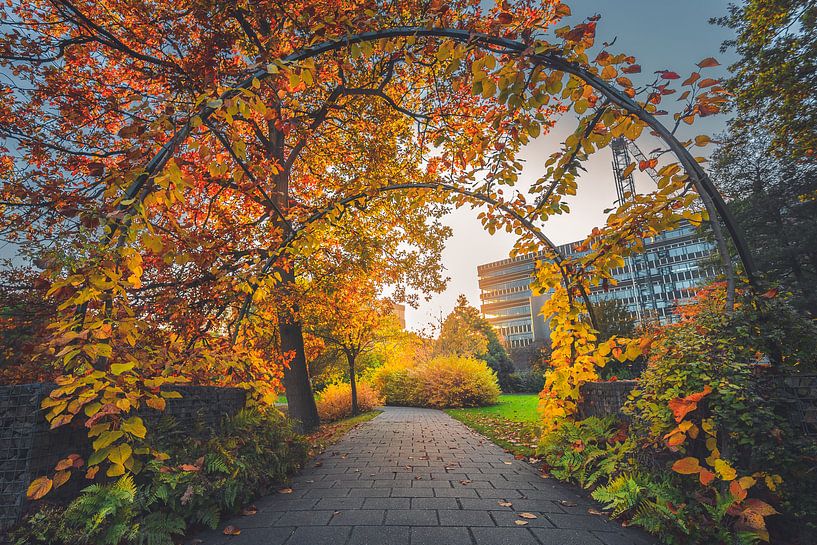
(335, 401)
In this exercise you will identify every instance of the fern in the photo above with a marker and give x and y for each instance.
(159, 528)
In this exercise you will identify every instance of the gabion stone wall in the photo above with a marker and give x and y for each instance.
(604, 398)
(797, 392)
(801, 391)
(28, 448)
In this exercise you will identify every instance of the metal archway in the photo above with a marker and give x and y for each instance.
(713, 201)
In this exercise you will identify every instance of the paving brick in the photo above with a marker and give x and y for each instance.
(459, 517)
(434, 503)
(412, 517)
(380, 535)
(503, 536)
(440, 536)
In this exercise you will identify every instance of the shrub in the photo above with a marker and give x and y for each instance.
(201, 482)
(335, 401)
(443, 382)
(708, 453)
(526, 382)
(396, 384)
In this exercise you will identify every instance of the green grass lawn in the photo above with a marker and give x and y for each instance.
(513, 423)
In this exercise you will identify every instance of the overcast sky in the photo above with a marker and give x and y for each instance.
(661, 34)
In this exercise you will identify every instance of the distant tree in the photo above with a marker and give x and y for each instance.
(774, 79)
(773, 199)
(466, 333)
(613, 318)
(351, 319)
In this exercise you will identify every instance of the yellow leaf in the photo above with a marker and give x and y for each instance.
(115, 470)
(120, 454)
(38, 488)
(119, 368)
(107, 438)
(724, 470)
(135, 427)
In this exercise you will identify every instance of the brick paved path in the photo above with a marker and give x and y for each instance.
(419, 477)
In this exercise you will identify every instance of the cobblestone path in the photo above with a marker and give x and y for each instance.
(419, 477)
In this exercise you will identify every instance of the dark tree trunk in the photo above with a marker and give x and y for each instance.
(350, 357)
(300, 400)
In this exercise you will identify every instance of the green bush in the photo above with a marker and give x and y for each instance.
(526, 382)
(738, 414)
(200, 483)
(443, 382)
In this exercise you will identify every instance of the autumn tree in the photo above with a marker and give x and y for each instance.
(350, 317)
(464, 332)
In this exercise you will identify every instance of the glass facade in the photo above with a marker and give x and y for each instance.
(650, 285)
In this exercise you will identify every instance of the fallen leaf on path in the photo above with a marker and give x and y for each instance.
(505, 503)
(566, 503)
(521, 522)
(249, 511)
(285, 491)
(231, 531)
(596, 512)
(508, 463)
(528, 515)
(465, 482)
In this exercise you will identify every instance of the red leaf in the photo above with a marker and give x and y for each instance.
(632, 69)
(669, 75)
(708, 62)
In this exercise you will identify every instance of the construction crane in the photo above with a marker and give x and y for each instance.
(639, 263)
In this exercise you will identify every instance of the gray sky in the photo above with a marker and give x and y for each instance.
(661, 34)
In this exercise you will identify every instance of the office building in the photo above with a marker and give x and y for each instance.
(650, 285)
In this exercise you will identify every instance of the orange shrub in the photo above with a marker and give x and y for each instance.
(444, 382)
(335, 401)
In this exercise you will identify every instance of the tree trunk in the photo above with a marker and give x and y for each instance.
(350, 357)
(300, 400)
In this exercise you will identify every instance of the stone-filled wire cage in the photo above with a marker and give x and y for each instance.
(801, 390)
(29, 448)
(19, 415)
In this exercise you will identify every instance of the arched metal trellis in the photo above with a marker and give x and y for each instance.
(713, 201)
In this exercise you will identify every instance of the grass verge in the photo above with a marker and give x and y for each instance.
(513, 423)
(328, 434)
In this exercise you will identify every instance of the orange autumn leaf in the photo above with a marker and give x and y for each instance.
(706, 476)
(681, 406)
(231, 531)
(687, 466)
(708, 62)
(737, 491)
(38, 488)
